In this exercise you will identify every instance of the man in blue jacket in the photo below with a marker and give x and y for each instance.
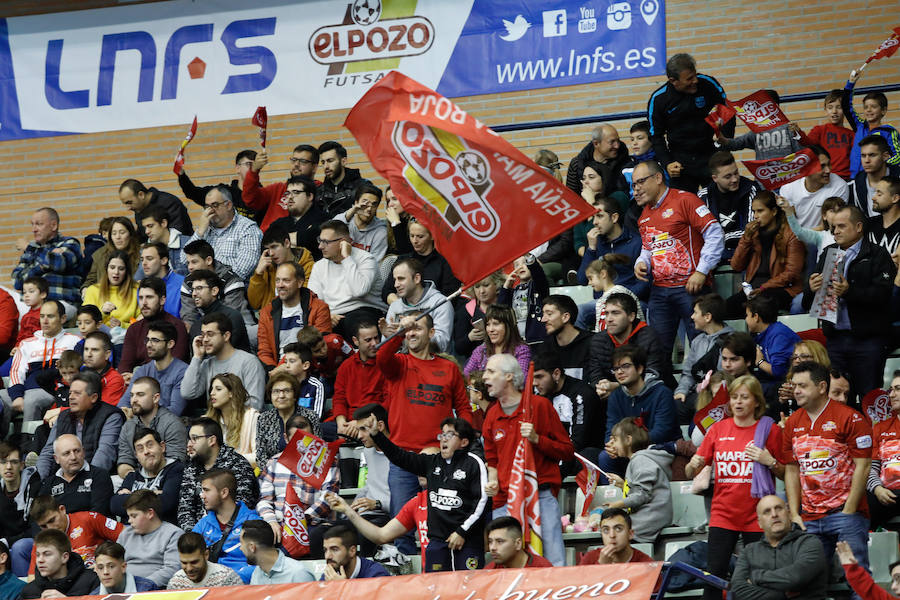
(341, 560)
(224, 520)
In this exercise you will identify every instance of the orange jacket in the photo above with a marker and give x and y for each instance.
(786, 260)
(315, 313)
(261, 288)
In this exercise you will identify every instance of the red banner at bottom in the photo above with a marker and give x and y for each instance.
(631, 581)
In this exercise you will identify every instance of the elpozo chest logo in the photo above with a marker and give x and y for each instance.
(365, 36)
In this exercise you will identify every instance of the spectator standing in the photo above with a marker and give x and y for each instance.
(52, 256)
(807, 195)
(524, 290)
(833, 136)
(359, 380)
(139, 199)
(729, 197)
(875, 155)
(871, 122)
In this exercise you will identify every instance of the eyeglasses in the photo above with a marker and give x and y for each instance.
(300, 161)
(284, 392)
(449, 435)
(153, 340)
(199, 287)
(197, 438)
(621, 367)
(246, 163)
(639, 182)
(324, 242)
(216, 205)
(801, 356)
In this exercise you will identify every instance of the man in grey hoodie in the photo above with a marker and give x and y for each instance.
(417, 294)
(787, 562)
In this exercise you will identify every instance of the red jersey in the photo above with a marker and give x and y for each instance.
(501, 437)
(30, 322)
(421, 394)
(534, 562)
(86, 531)
(414, 515)
(271, 198)
(672, 231)
(358, 383)
(593, 556)
(824, 451)
(886, 448)
(838, 141)
(723, 447)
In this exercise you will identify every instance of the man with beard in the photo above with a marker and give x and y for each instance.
(162, 367)
(303, 215)
(234, 238)
(158, 473)
(152, 295)
(155, 263)
(341, 560)
(366, 230)
(273, 199)
(196, 569)
(335, 195)
(272, 566)
(884, 228)
(571, 344)
(147, 413)
(728, 197)
(507, 550)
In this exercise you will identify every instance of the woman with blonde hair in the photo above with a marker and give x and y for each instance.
(744, 446)
(803, 350)
(227, 406)
(483, 294)
(115, 294)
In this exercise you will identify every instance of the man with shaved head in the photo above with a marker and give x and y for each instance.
(54, 257)
(610, 155)
(76, 484)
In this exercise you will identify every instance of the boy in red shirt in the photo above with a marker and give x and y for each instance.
(826, 451)
(833, 136)
(34, 292)
(617, 533)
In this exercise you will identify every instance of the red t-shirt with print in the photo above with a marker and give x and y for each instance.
(886, 448)
(86, 531)
(414, 515)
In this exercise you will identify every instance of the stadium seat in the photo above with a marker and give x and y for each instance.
(883, 550)
(737, 324)
(799, 322)
(726, 282)
(890, 365)
(604, 493)
(579, 293)
(673, 547)
(688, 511)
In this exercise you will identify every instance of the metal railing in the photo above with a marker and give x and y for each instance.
(639, 114)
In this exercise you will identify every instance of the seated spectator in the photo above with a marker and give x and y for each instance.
(572, 344)
(729, 198)
(359, 381)
(60, 572)
(277, 250)
(524, 291)
(139, 199)
(738, 354)
(273, 200)
(374, 497)
(206, 451)
(414, 293)
(52, 256)
(341, 560)
(282, 391)
(505, 544)
(647, 476)
(10, 585)
(273, 484)
(242, 163)
(622, 327)
(148, 414)
(606, 150)
(122, 238)
(582, 413)
(861, 580)
(435, 267)
(88, 319)
(337, 191)
(466, 337)
(19, 485)
(705, 352)
(97, 423)
(155, 263)
(159, 473)
(344, 278)
(69, 365)
(36, 358)
(9, 327)
(883, 484)
(875, 154)
(367, 231)
(229, 407)
(770, 255)
(303, 215)
(114, 293)
(819, 236)
(199, 255)
(398, 224)
(504, 425)
(85, 529)
(156, 227)
(294, 308)
(152, 299)
(271, 565)
(617, 533)
(234, 238)
(34, 294)
(214, 354)
(884, 228)
(610, 236)
(298, 361)
(856, 341)
(602, 275)
(775, 341)
(168, 371)
(197, 571)
(593, 193)
(77, 485)
(786, 563)
(502, 338)
(97, 357)
(225, 516)
(833, 135)
(329, 351)
(455, 533)
(112, 570)
(206, 295)
(807, 195)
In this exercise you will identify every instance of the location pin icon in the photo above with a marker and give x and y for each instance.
(649, 10)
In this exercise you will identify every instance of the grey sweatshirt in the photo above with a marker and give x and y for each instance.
(649, 496)
(442, 316)
(243, 364)
(796, 565)
(700, 345)
(153, 555)
(170, 429)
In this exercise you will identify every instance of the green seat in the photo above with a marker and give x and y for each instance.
(799, 322)
(688, 511)
(579, 293)
(883, 550)
(737, 324)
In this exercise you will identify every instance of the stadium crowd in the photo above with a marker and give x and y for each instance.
(158, 370)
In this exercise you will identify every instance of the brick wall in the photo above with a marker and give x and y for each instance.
(788, 45)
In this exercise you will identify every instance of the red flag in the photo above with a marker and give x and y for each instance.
(713, 412)
(759, 111)
(718, 116)
(310, 457)
(178, 167)
(887, 48)
(587, 479)
(261, 120)
(294, 535)
(484, 202)
(774, 173)
(523, 486)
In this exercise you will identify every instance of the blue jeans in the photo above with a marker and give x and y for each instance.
(587, 316)
(20, 555)
(853, 529)
(404, 485)
(616, 466)
(551, 527)
(668, 307)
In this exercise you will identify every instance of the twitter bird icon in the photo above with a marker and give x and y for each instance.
(515, 29)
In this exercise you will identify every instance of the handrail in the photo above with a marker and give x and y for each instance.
(705, 577)
(623, 116)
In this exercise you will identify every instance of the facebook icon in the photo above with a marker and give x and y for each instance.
(554, 23)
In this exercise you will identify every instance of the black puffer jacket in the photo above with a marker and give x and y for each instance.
(612, 177)
(337, 199)
(602, 347)
(79, 581)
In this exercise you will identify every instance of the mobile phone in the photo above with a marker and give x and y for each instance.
(479, 325)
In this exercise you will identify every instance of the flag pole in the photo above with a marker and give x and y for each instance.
(427, 312)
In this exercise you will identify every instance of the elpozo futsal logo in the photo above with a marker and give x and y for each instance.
(365, 36)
